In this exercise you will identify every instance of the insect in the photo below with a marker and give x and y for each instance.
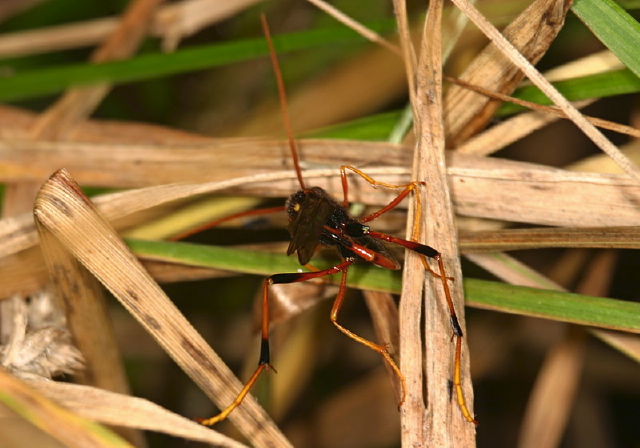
(316, 219)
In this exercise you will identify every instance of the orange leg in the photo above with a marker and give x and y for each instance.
(265, 356)
(424, 251)
(236, 402)
(427, 251)
(457, 331)
(406, 189)
(382, 349)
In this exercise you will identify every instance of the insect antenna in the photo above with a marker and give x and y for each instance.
(283, 99)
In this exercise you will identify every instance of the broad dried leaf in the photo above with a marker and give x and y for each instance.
(62, 208)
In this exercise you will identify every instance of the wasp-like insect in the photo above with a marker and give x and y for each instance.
(315, 220)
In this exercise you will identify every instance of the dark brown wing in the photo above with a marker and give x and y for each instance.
(307, 225)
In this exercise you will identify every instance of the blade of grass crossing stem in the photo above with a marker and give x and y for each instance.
(561, 306)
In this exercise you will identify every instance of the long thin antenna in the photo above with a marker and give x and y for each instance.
(283, 99)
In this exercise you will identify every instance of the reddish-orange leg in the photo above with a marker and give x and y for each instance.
(424, 251)
(427, 251)
(217, 222)
(265, 356)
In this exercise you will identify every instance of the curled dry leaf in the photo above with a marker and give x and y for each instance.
(40, 345)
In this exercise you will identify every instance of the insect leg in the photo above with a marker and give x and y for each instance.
(265, 356)
(406, 189)
(427, 251)
(217, 222)
(382, 349)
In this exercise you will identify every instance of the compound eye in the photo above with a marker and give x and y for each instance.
(294, 204)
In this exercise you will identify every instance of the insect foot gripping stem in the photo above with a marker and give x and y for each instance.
(236, 402)
(265, 357)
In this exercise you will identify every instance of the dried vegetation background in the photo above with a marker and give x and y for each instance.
(162, 155)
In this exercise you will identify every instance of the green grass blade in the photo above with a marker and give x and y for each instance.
(52, 80)
(614, 27)
(600, 85)
(566, 307)
(372, 128)
(259, 263)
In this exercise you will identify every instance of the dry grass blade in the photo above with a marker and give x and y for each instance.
(122, 410)
(515, 239)
(62, 208)
(479, 186)
(384, 314)
(412, 421)
(88, 320)
(550, 110)
(531, 33)
(117, 164)
(171, 22)
(64, 426)
(554, 393)
(354, 25)
(507, 132)
(448, 426)
(536, 77)
(529, 193)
